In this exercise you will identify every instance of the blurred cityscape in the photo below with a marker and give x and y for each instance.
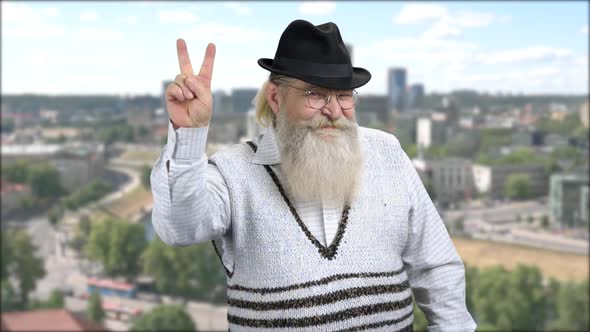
(508, 174)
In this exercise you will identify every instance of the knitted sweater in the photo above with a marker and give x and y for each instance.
(282, 277)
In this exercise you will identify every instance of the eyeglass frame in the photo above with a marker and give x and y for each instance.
(328, 96)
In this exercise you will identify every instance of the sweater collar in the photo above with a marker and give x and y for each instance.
(268, 149)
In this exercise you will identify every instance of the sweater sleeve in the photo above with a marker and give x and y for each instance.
(435, 270)
(191, 198)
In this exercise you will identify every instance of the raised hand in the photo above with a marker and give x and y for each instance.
(188, 99)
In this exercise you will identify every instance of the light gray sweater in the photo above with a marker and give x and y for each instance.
(390, 242)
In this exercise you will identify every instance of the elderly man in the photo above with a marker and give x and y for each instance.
(321, 225)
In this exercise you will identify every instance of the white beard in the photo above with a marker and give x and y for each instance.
(324, 165)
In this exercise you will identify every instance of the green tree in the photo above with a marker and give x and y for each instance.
(510, 300)
(117, 244)
(192, 271)
(411, 150)
(7, 126)
(517, 186)
(572, 307)
(95, 311)
(45, 181)
(55, 301)
(16, 172)
(545, 221)
(420, 321)
(55, 214)
(21, 264)
(168, 317)
(146, 172)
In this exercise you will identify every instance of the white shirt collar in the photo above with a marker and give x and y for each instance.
(268, 149)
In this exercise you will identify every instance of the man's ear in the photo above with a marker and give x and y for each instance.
(272, 96)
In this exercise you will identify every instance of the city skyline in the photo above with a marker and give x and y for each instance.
(129, 48)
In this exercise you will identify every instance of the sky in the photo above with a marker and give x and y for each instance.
(129, 48)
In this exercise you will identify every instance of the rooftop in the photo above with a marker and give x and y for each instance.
(47, 320)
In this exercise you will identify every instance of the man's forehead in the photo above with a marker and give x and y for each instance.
(309, 86)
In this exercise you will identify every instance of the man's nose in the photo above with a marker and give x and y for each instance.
(332, 109)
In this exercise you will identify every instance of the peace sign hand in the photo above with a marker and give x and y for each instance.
(188, 99)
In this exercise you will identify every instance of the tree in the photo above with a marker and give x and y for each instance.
(146, 172)
(545, 221)
(7, 126)
(55, 214)
(510, 300)
(572, 307)
(168, 317)
(16, 172)
(55, 301)
(193, 271)
(95, 311)
(420, 322)
(517, 186)
(45, 181)
(21, 264)
(117, 244)
(530, 219)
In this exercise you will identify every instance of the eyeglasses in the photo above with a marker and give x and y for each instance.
(317, 98)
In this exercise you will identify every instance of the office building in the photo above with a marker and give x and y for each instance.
(491, 179)
(396, 89)
(243, 99)
(568, 199)
(416, 95)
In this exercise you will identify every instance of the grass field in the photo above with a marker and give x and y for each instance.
(561, 266)
(130, 204)
(149, 157)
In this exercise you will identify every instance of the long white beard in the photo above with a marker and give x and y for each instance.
(318, 167)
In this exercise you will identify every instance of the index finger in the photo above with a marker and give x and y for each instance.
(183, 60)
(207, 67)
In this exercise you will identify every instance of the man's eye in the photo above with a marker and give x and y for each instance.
(314, 94)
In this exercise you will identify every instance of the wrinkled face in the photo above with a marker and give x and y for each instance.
(305, 102)
(320, 151)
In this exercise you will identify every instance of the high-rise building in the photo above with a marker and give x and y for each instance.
(396, 89)
(416, 95)
(568, 199)
(243, 99)
(218, 101)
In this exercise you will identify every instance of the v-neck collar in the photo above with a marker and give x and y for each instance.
(328, 252)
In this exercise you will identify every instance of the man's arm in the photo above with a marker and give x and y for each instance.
(191, 199)
(435, 270)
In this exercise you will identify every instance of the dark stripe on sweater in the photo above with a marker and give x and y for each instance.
(318, 300)
(319, 282)
(407, 328)
(323, 319)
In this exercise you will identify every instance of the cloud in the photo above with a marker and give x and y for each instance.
(319, 8)
(59, 58)
(97, 34)
(51, 12)
(238, 8)
(88, 16)
(420, 13)
(441, 30)
(129, 19)
(21, 21)
(222, 33)
(536, 53)
(584, 30)
(445, 24)
(177, 16)
(471, 19)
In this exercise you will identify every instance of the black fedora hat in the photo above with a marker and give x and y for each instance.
(316, 55)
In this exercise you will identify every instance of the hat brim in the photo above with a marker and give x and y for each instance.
(360, 77)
